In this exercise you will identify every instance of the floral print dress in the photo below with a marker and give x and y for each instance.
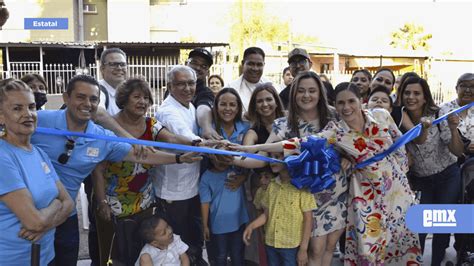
(332, 204)
(379, 194)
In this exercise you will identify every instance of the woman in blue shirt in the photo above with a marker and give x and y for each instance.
(225, 206)
(32, 199)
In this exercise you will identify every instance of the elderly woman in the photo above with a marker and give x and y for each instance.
(126, 190)
(32, 199)
(37, 83)
(465, 92)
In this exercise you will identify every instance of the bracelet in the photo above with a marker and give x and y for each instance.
(178, 158)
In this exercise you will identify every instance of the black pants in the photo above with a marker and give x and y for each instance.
(93, 241)
(185, 218)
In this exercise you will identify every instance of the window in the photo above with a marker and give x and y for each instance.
(90, 9)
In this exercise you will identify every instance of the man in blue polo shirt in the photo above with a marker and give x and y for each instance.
(75, 158)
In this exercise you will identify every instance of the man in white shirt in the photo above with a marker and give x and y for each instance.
(113, 67)
(176, 185)
(252, 71)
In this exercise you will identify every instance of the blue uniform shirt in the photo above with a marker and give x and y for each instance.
(31, 170)
(227, 208)
(86, 154)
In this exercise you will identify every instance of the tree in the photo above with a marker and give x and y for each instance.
(411, 37)
(251, 24)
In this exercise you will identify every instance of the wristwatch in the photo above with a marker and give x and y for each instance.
(178, 158)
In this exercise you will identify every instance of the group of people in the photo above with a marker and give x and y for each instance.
(159, 206)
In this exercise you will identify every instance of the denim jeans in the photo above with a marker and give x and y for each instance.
(66, 242)
(441, 188)
(229, 244)
(281, 256)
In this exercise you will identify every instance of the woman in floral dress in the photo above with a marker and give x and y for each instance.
(308, 113)
(379, 194)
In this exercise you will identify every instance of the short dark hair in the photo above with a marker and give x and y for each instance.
(11, 84)
(238, 117)
(217, 77)
(253, 50)
(80, 78)
(430, 106)
(33, 76)
(285, 69)
(383, 89)
(347, 86)
(382, 69)
(147, 227)
(363, 71)
(128, 87)
(111, 51)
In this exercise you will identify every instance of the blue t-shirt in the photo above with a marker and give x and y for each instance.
(86, 154)
(237, 136)
(227, 208)
(31, 170)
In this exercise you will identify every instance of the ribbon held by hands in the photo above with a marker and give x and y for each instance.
(314, 167)
(409, 136)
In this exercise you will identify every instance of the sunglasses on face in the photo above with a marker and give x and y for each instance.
(64, 157)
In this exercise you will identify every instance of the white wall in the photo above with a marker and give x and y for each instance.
(128, 20)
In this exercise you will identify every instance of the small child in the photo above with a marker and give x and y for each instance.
(162, 246)
(265, 174)
(227, 211)
(287, 218)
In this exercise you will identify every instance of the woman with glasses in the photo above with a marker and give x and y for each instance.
(435, 171)
(32, 199)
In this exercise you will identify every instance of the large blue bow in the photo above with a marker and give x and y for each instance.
(315, 166)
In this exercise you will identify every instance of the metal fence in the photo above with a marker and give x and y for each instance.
(154, 70)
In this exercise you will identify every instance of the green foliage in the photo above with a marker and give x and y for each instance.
(411, 37)
(252, 24)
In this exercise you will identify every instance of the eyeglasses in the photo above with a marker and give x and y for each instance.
(116, 64)
(466, 86)
(196, 64)
(64, 157)
(182, 84)
(298, 62)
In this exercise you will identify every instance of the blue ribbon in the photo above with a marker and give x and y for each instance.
(314, 167)
(407, 137)
(163, 145)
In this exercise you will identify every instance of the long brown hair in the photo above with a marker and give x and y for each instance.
(293, 109)
(430, 107)
(217, 119)
(254, 116)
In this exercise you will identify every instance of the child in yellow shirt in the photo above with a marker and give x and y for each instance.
(287, 218)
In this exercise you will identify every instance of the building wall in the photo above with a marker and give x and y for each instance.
(95, 24)
(128, 20)
(13, 30)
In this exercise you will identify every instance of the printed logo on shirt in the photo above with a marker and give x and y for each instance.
(441, 218)
(92, 152)
(45, 167)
